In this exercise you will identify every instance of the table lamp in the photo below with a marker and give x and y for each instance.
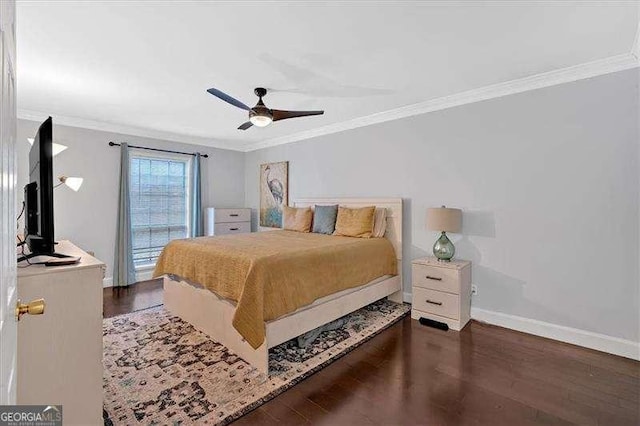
(444, 220)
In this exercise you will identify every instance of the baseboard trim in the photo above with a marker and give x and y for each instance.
(140, 276)
(587, 339)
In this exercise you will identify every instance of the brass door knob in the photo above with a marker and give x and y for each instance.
(35, 307)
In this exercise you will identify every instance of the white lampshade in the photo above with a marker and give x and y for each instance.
(72, 182)
(56, 148)
(444, 219)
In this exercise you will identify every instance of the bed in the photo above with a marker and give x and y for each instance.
(260, 315)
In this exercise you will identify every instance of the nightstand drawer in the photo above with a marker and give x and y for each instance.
(232, 215)
(441, 279)
(436, 302)
(232, 228)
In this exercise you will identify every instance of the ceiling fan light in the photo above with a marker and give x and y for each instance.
(260, 120)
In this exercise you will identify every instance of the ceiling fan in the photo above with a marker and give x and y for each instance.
(260, 115)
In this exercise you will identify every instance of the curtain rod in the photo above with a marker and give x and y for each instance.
(160, 150)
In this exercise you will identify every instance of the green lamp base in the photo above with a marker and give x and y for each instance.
(443, 249)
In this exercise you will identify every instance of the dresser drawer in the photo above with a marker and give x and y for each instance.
(435, 278)
(232, 215)
(232, 228)
(436, 302)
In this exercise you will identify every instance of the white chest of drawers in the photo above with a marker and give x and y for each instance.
(60, 353)
(221, 221)
(442, 291)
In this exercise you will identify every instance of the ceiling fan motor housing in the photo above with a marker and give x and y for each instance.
(261, 111)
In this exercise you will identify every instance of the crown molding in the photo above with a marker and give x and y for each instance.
(564, 75)
(26, 114)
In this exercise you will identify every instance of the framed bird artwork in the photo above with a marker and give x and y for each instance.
(274, 193)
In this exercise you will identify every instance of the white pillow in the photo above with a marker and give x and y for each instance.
(379, 223)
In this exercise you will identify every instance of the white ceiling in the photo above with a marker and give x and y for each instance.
(147, 65)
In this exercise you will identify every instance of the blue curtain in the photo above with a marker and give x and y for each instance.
(124, 272)
(197, 224)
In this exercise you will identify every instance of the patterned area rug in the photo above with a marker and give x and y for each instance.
(159, 370)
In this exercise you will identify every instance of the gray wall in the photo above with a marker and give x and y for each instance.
(548, 181)
(88, 217)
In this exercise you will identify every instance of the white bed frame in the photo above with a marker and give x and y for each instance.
(213, 315)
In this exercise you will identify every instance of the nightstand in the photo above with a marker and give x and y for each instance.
(442, 291)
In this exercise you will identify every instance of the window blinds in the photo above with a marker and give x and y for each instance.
(159, 197)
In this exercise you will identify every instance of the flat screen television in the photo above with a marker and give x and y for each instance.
(38, 196)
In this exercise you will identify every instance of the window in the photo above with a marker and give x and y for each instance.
(159, 193)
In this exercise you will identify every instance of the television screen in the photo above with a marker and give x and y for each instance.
(38, 197)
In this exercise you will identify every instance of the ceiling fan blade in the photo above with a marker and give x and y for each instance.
(283, 115)
(245, 126)
(217, 93)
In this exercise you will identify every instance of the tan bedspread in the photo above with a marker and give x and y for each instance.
(270, 274)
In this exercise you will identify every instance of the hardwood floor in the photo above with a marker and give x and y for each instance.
(411, 374)
(122, 300)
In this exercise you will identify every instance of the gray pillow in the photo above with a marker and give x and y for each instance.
(324, 219)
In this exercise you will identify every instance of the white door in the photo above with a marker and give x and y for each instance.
(8, 213)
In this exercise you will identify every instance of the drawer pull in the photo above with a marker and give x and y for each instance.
(234, 215)
(233, 229)
(429, 277)
(434, 303)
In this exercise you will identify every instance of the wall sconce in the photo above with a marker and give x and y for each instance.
(72, 182)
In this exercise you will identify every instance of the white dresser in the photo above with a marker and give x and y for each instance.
(442, 291)
(60, 351)
(221, 221)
